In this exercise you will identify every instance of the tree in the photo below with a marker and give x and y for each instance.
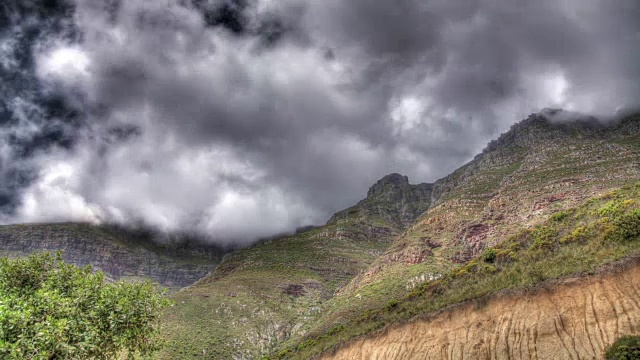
(53, 310)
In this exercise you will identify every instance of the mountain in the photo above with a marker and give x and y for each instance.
(301, 295)
(530, 249)
(261, 296)
(537, 170)
(119, 253)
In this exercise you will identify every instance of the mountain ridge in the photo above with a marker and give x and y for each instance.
(299, 291)
(118, 252)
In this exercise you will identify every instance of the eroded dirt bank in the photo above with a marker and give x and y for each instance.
(571, 319)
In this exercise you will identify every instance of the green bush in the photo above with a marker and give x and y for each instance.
(559, 216)
(487, 268)
(336, 329)
(543, 238)
(53, 310)
(627, 227)
(625, 348)
(580, 233)
(612, 208)
(392, 304)
(489, 255)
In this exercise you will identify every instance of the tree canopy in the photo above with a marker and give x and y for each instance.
(53, 310)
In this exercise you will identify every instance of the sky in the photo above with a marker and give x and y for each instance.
(239, 119)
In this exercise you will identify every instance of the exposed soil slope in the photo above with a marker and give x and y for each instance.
(572, 319)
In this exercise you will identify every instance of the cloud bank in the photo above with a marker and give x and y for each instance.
(241, 119)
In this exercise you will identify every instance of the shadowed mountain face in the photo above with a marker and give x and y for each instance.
(120, 254)
(280, 294)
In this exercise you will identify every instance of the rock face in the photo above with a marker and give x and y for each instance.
(573, 319)
(393, 200)
(118, 254)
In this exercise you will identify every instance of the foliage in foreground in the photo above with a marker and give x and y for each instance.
(625, 348)
(53, 310)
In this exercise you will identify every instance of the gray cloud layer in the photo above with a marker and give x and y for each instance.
(241, 119)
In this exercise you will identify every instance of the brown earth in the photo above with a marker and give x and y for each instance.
(570, 319)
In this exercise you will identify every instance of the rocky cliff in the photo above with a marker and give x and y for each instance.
(571, 319)
(118, 253)
(393, 200)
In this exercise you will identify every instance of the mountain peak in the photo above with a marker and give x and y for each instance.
(393, 199)
(391, 181)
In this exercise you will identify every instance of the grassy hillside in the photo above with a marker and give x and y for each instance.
(531, 172)
(261, 296)
(577, 240)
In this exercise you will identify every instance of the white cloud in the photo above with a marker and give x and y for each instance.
(238, 137)
(67, 64)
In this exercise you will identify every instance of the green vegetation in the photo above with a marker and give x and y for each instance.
(259, 294)
(598, 236)
(53, 310)
(489, 255)
(560, 215)
(625, 348)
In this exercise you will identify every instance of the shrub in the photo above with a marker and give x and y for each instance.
(627, 227)
(559, 216)
(307, 343)
(338, 328)
(470, 268)
(506, 256)
(487, 268)
(392, 304)
(49, 309)
(625, 348)
(611, 208)
(542, 238)
(578, 234)
(489, 255)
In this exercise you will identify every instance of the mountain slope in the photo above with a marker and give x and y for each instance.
(570, 319)
(595, 240)
(261, 296)
(544, 201)
(535, 170)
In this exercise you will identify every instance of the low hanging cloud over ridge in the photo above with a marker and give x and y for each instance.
(241, 119)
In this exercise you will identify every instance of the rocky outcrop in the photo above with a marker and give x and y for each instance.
(120, 255)
(571, 319)
(392, 199)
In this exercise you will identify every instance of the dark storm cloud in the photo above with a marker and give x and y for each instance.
(32, 118)
(243, 118)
